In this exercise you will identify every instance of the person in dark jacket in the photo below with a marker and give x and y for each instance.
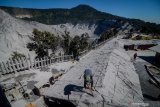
(88, 78)
(135, 56)
(3, 99)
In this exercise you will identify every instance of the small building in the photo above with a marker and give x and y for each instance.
(157, 56)
(139, 44)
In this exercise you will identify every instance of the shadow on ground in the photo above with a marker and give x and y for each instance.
(151, 98)
(54, 102)
(150, 59)
(71, 87)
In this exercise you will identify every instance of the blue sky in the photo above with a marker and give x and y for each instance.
(148, 10)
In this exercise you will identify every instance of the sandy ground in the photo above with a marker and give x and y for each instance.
(120, 89)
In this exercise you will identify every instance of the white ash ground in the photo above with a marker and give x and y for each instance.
(114, 78)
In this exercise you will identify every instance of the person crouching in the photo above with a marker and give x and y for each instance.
(88, 79)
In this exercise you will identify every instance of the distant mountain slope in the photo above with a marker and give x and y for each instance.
(79, 14)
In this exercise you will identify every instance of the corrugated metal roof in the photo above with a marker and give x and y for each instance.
(155, 48)
(140, 42)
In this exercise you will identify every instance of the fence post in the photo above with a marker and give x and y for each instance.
(41, 62)
(23, 66)
(20, 64)
(65, 58)
(2, 68)
(27, 63)
(17, 65)
(50, 60)
(38, 60)
(13, 65)
(9, 66)
(55, 59)
(23, 62)
(31, 65)
(44, 64)
(46, 61)
(1, 71)
(5, 67)
(35, 64)
(68, 58)
(59, 57)
(71, 57)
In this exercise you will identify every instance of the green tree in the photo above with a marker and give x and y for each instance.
(66, 41)
(74, 46)
(84, 41)
(42, 41)
(78, 44)
(107, 34)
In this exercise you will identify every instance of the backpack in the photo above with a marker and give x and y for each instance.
(88, 78)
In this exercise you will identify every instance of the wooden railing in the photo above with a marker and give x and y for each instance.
(21, 64)
(46, 61)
